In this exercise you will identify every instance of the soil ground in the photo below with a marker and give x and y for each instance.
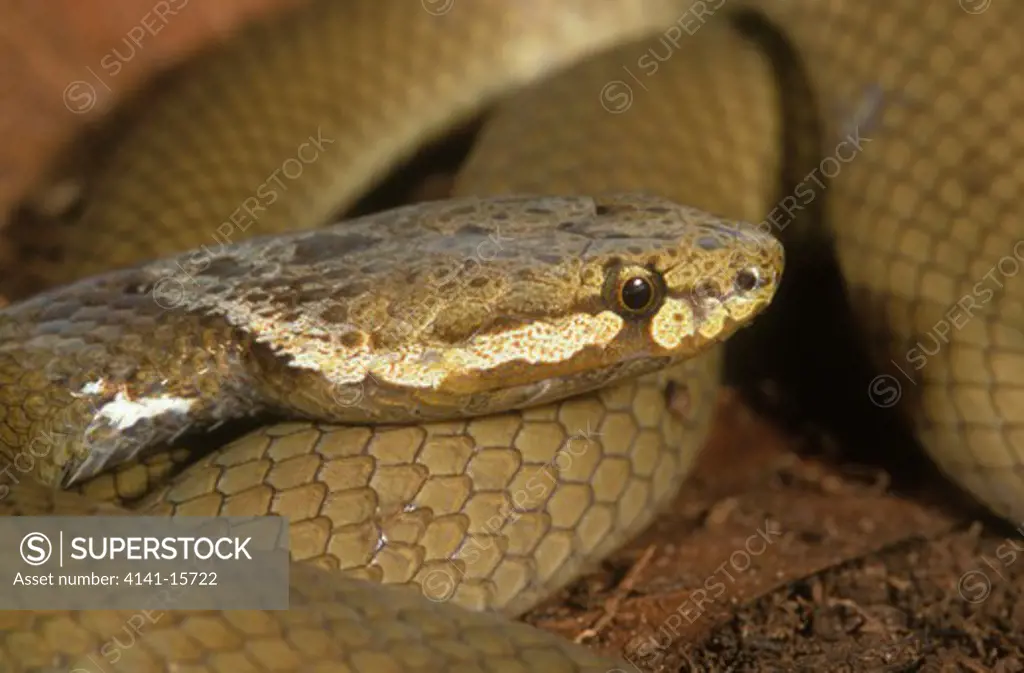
(855, 578)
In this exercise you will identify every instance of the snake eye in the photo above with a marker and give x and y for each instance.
(634, 291)
(637, 294)
(748, 279)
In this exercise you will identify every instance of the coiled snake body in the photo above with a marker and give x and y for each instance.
(916, 134)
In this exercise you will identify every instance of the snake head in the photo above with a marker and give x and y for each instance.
(624, 285)
(482, 305)
(717, 277)
(655, 280)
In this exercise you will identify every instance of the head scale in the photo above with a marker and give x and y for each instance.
(483, 304)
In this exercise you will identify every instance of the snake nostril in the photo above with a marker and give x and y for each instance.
(748, 279)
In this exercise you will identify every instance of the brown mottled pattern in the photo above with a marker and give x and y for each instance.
(919, 108)
(114, 365)
(922, 211)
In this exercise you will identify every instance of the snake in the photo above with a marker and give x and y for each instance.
(637, 163)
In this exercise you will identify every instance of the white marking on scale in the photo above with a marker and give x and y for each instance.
(92, 388)
(123, 413)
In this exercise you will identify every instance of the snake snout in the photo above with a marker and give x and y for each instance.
(756, 267)
(760, 259)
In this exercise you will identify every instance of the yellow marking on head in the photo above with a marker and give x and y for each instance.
(540, 342)
(532, 344)
(673, 323)
(713, 322)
